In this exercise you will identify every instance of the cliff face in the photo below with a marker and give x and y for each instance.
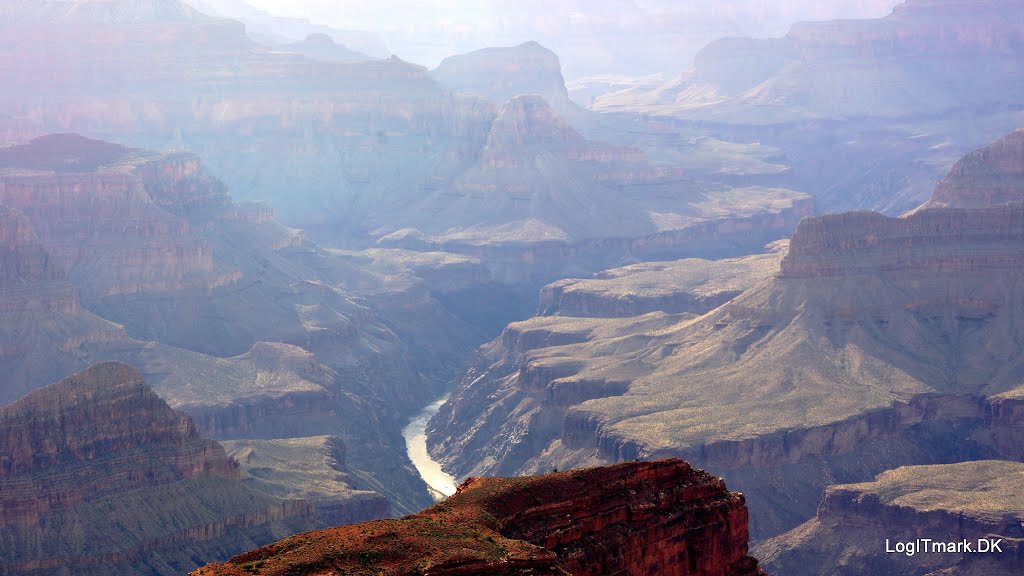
(100, 474)
(42, 324)
(640, 518)
(973, 501)
(351, 151)
(93, 215)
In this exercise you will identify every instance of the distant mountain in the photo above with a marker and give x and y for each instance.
(500, 74)
(273, 30)
(927, 57)
(879, 342)
(322, 47)
(869, 113)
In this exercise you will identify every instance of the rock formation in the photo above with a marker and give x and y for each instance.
(639, 518)
(858, 526)
(43, 327)
(313, 469)
(100, 475)
(880, 342)
(500, 74)
(692, 285)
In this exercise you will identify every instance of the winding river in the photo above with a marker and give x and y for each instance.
(441, 484)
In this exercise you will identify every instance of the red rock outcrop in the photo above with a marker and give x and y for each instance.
(640, 518)
(98, 473)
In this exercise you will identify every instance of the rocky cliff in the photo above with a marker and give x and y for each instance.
(858, 527)
(100, 475)
(640, 518)
(880, 342)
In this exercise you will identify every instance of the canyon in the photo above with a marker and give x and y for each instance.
(636, 518)
(877, 342)
(114, 253)
(471, 157)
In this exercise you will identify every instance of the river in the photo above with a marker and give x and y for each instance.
(441, 484)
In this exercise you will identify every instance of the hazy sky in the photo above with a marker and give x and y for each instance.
(591, 36)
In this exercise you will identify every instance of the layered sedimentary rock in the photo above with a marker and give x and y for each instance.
(639, 518)
(858, 527)
(692, 285)
(924, 44)
(313, 469)
(100, 476)
(880, 342)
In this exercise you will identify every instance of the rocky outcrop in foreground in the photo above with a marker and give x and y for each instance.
(858, 527)
(98, 476)
(638, 518)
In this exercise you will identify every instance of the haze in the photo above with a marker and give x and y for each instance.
(603, 37)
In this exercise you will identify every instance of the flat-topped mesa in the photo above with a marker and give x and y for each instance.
(500, 74)
(636, 518)
(857, 524)
(990, 176)
(99, 473)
